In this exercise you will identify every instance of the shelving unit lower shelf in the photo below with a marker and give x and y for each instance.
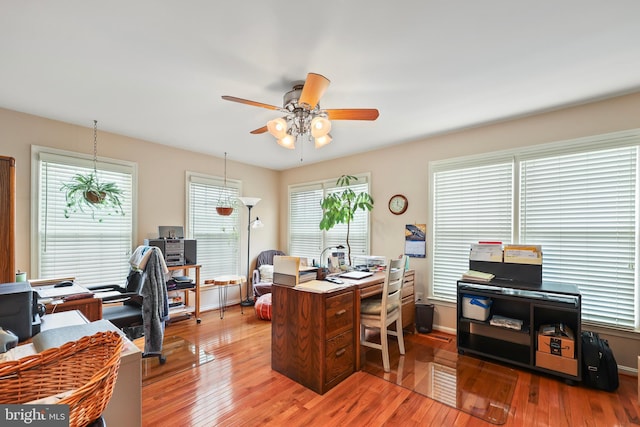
(188, 309)
(533, 305)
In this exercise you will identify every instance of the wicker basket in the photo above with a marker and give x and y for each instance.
(88, 366)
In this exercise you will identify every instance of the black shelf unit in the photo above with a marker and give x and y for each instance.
(535, 305)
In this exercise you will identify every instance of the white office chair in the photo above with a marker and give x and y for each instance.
(380, 313)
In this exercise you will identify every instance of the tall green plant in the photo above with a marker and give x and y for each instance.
(339, 207)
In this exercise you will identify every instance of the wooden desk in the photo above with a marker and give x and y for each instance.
(313, 335)
(91, 308)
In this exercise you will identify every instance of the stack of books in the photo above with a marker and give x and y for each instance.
(477, 276)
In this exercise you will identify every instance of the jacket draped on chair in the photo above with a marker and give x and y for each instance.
(155, 303)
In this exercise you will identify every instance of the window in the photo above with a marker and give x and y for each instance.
(218, 239)
(305, 237)
(577, 199)
(473, 204)
(80, 246)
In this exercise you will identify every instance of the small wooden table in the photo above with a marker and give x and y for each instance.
(224, 282)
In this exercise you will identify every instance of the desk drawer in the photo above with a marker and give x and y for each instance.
(339, 356)
(339, 314)
(407, 290)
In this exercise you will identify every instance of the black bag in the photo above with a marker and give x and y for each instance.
(599, 367)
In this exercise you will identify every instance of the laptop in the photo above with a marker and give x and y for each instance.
(356, 275)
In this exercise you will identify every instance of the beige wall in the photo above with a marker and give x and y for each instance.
(404, 169)
(161, 178)
(399, 169)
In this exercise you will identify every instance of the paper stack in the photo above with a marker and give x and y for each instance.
(523, 254)
(491, 252)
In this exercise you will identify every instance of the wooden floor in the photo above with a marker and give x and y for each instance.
(239, 388)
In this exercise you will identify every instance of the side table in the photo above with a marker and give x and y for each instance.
(223, 283)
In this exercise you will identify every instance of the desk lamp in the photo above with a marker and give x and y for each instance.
(322, 256)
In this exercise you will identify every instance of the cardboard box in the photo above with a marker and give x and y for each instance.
(557, 363)
(558, 346)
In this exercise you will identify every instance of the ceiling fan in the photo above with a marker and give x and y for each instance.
(303, 116)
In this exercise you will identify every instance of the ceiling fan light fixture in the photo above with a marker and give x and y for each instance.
(288, 141)
(320, 126)
(277, 127)
(323, 140)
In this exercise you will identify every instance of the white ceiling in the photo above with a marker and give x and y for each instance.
(156, 69)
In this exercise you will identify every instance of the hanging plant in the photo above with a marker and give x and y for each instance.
(225, 205)
(86, 193)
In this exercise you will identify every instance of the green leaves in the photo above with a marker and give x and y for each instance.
(85, 192)
(339, 207)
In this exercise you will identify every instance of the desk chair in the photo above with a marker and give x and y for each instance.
(379, 313)
(143, 302)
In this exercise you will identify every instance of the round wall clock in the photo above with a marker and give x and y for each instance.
(398, 204)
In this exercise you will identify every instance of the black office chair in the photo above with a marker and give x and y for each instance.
(142, 305)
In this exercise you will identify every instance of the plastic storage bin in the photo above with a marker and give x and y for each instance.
(476, 307)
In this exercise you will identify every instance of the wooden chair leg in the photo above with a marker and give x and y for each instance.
(400, 335)
(384, 340)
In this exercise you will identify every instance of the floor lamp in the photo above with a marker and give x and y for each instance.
(249, 202)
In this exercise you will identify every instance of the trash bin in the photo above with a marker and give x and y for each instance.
(424, 317)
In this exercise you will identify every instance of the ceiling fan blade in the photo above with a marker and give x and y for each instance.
(248, 102)
(312, 91)
(258, 131)
(353, 114)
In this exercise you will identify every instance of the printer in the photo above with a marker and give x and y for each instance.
(19, 310)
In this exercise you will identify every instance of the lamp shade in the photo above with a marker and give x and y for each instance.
(288, 141)
(249, 201)
(321, 141)
(320, 126)
(257, 223)
(277, 127)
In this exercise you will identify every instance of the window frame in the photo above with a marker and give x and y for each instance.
(209, 269)
(81, 160)
(327, 237)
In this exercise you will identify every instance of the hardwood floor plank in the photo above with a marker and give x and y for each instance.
(239, 388)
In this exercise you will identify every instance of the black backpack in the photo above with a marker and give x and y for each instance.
(599, 367)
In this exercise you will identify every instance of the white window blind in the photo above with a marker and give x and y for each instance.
(581, 209)
(94, 252)
(305, 237)
(470, 205)
(577, 199)
(218, 238)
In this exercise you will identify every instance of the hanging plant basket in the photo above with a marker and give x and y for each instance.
(95, 197)
(224, 211)
(225, 205)
(85, 193)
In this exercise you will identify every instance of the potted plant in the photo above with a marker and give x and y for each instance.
(85, 192)
(340, 207)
